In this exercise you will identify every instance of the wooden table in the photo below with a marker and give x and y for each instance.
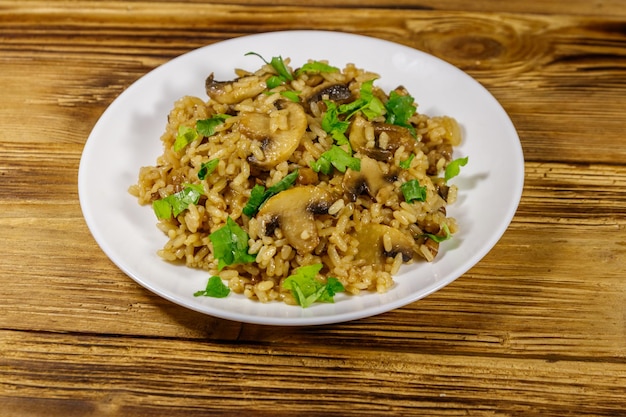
(537, 328)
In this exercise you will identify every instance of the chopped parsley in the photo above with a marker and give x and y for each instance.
(316, 67)
(274, 81)
(207, 168)
(214, 288)
(413, 191)
(333, 125)
(277, 62)
(454, 168)
(284, 75)
(185, 136)
(400, 108)
(291, 95)
(367, 103)
(207, 127)
(259, 194)
(406, 164)
(175, 204)
(306, 289)
(336, 119)
(230, 245)
(338, 158)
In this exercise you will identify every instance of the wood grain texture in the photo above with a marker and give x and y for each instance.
(531, 63)
(126, 376)
(537, 328)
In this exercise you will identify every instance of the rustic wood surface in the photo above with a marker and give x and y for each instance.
(537, 328)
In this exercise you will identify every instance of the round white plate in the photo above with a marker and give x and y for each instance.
(127, 137)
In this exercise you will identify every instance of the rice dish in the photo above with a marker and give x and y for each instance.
(304, 166)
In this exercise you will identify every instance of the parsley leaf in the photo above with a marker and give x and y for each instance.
(306, 289)
(207, 127)
(454, 168)
(291, 95)
(207, 168)
(413, 191)
(185, 136)
(400, 108)
(230, 245)
(338, 158)
(368, 103)
(333, 125)
(332, 287)
(406, 164)
(259, 194)
(316, 67)
(214, 288)
(274, 81)
(278, 64)
(177, 203)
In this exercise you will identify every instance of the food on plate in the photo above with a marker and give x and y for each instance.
(295, 184)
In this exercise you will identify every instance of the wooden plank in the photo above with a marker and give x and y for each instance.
(573, 7)
(45, 373)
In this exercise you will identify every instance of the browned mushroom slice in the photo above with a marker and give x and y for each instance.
(279, 145)
(378, 242)
(370, 179)
(293, 210)
(387, 138)
(231, 92)
(330, 91)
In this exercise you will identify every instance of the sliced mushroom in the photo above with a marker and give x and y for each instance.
(370, 179)
(231, 92)
(279, 145)
(333, 91)
(381, 150)
(293, 211)
(372, 248)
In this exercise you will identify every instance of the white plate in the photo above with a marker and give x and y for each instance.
(127, 137)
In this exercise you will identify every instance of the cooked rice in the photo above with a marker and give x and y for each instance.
(228, 189)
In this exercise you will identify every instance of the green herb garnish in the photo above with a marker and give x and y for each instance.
(207, 168)
(367, 103)
(214, 288)
(406, 164)
(230, 245)
(259, 194)
(291, 95)
(336, 120)
(207, 127)
(400, 108)
(274, 81)
(177, 203)
(338, 158)
(278, 64)
(332, 124)
(316, 67)
(454, 168)
(185, 136)
(306, 289)
(413, 191)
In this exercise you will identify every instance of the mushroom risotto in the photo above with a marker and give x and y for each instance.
(292, 184)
